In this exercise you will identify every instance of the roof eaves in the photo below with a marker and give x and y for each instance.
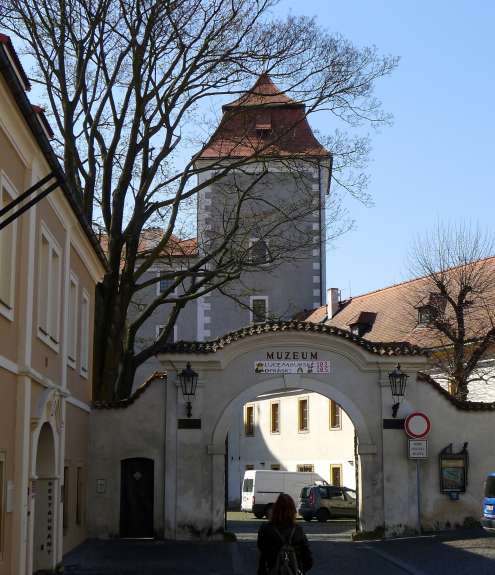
(33, 121)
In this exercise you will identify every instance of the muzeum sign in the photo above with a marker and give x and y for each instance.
(281, 362)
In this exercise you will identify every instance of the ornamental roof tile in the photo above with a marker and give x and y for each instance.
(200, 347)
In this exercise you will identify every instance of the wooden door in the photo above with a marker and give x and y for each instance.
(136, 497)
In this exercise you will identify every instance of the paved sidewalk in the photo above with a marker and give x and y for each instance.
(140, 557)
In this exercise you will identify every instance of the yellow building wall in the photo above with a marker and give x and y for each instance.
(76, 455)
(7, 446)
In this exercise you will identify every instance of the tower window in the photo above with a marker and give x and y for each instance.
(259, 309)
(259, 252)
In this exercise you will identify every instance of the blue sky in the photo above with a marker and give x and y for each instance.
(435, 161)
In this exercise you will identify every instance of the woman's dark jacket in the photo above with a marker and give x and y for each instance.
(269, 543)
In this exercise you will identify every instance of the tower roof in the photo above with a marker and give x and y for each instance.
(263, 93)
(263, 122)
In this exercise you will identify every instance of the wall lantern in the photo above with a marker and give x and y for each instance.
(188, 379)
(398, 382)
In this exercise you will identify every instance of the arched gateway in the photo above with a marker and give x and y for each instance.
(239, 367)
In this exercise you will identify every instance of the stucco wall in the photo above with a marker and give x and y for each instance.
(320, 446)
(117, 434)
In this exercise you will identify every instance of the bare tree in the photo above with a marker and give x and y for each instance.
(128, 82)
(455, 301)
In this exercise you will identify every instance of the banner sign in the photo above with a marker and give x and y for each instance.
(317, 367)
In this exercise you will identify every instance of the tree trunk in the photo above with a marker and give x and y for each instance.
(113, 370)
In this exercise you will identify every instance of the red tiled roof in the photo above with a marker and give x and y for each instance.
(149, 239)
(263, 93)
(263, 122)
(396, 312)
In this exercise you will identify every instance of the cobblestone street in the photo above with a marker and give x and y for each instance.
(459, 553)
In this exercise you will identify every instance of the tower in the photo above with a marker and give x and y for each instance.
(281, 175)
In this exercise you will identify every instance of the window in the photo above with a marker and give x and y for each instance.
(259, 309)
(249, 467)
(424, 315)
(335, 415)
(84, 333)
(164, 284)
(2, 505)
(336, 475)
(303, 421)
(172, 336)
(65, 499)
(249, 420)
(50, 277)
(275, 417)
(72, 327)
(79, 495)
(259, 252)
(275, 466)
(7, 255)
(306, 467)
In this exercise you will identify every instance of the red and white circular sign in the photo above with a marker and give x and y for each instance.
(417, 425)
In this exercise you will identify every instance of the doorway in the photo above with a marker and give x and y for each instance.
(46, 502)
(136, 497)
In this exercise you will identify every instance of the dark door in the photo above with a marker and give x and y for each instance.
(136, 497)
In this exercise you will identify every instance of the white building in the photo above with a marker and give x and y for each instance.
(293, 431)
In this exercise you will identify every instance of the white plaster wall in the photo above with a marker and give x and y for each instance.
(116, 434)
(320, 446)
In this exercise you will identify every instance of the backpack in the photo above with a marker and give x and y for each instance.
(286, 562)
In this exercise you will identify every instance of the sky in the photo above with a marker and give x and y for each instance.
(434, 164)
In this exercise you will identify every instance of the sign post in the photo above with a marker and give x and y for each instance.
(417, 426)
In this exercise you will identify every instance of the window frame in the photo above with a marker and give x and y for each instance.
(72, 361)
(251, 313)
(51, 340)
(7, 308)
(248, 407)
(84, 343)
(275, 467)
(311, 467)
(159, 327)
(158, 291)
(299, 428)
(79, 494)
(277, 403)
(341, 472)
(338, 410)
(65, 499)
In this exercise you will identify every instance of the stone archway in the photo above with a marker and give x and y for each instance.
(45, 488)
(195, 455)
(370, 499)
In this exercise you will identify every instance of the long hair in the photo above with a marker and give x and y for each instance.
(284, 510)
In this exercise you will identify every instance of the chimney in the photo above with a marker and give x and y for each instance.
(332, 302)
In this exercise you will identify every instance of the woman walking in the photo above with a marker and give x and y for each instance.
(282, 541)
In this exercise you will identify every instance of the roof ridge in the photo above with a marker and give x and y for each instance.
(411, 280)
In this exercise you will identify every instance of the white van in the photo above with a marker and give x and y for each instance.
(261, 488)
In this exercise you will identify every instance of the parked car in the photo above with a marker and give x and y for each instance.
(327, 501)
(260, 488)
(488, 514)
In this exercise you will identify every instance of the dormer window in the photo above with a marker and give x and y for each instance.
(431, 310)
(363, 323)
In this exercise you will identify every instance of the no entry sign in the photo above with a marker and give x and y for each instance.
(417, 425)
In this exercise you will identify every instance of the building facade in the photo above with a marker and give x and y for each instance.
(50, 263)
(296, 431)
